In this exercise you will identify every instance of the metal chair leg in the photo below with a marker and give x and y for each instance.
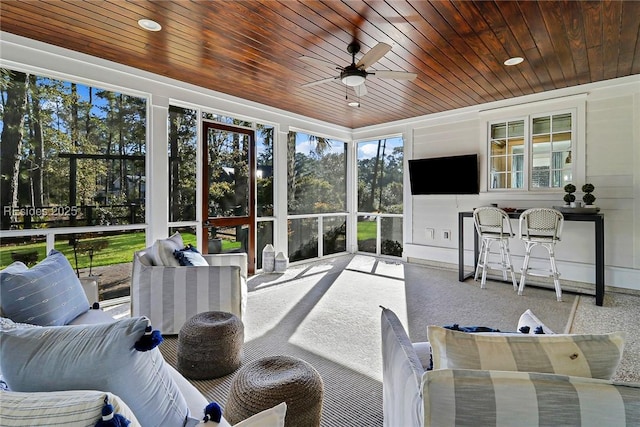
(525, 268)
(513, 274)
(503, 260)
(479, 263)
(487, 248)
(556, 275)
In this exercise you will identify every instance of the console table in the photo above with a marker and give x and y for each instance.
(597, 219)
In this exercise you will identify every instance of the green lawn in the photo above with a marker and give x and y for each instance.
(366, 230)
(116, 249)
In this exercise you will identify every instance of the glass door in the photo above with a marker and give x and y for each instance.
(229, 190)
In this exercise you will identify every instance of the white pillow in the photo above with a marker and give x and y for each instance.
(161, 252)
(530, 320)
(272, 417)
(96, 357)
(79, 408)
(591, 356)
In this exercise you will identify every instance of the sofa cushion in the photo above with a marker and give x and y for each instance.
(161, 252)
(92, 316)
(95, 357)
(590, 355)
(505, 399)
(402, 374)
(48, 294)
(78, 408)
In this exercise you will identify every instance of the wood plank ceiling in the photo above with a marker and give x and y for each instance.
(251, 49)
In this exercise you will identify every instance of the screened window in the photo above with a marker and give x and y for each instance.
(533, 152)
(264, 170)
(183, 146)
(380, 172)
(380, 190)
(72, 155)
(316, 174)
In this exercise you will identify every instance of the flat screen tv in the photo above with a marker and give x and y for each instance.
(445, 175)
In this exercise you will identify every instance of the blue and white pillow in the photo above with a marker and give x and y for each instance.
(96, 357)
(189, 256)
(48, 294)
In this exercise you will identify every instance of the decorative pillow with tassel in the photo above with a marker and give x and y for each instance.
(120, 357)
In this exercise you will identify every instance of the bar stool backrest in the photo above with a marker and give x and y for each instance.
(492, 221)
(541, 224)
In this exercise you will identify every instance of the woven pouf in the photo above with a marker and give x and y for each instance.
(210, 345)
(269, 381)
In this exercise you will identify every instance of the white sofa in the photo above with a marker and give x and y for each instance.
(61, 370)
(414, 396)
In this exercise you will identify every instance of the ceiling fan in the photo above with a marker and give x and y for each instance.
(356, 74)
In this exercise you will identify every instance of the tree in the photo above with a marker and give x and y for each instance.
(38, 144)
(11, 146)
(296, 162)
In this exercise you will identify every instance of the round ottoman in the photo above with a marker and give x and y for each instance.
(210, 345)
(272, 380)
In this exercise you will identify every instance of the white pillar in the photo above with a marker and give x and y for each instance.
(157, 164)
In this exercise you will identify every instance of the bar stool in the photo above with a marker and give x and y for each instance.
(541, 226)
(493, 225)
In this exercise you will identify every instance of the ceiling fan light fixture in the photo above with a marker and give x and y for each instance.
(514, 61)
(353, 77)
(149, 25)
(353, 104)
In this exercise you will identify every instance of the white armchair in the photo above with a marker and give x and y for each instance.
(169, 296)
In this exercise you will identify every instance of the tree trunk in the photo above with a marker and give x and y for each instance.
(384, 148)
(38, 144)
(174, 176)
(10, 149)
(291, 171)
(374, 181)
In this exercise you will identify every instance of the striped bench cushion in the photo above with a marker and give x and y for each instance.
(500, 398)
(592, 356)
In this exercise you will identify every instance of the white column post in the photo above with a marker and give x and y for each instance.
(157, 165)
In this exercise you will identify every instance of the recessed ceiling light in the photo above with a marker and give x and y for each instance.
(149, 25)
(354, 104)
(514, 61)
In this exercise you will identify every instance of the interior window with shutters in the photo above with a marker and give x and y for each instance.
(533, 152)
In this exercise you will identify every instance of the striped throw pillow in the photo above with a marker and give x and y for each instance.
(506, 399)
(79, 408)
(591, 356)
(47, 294)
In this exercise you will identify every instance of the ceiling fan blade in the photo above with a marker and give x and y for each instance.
(371, 57)
(388, 74)
(360, 90)
(319, 82)
(318, 62)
